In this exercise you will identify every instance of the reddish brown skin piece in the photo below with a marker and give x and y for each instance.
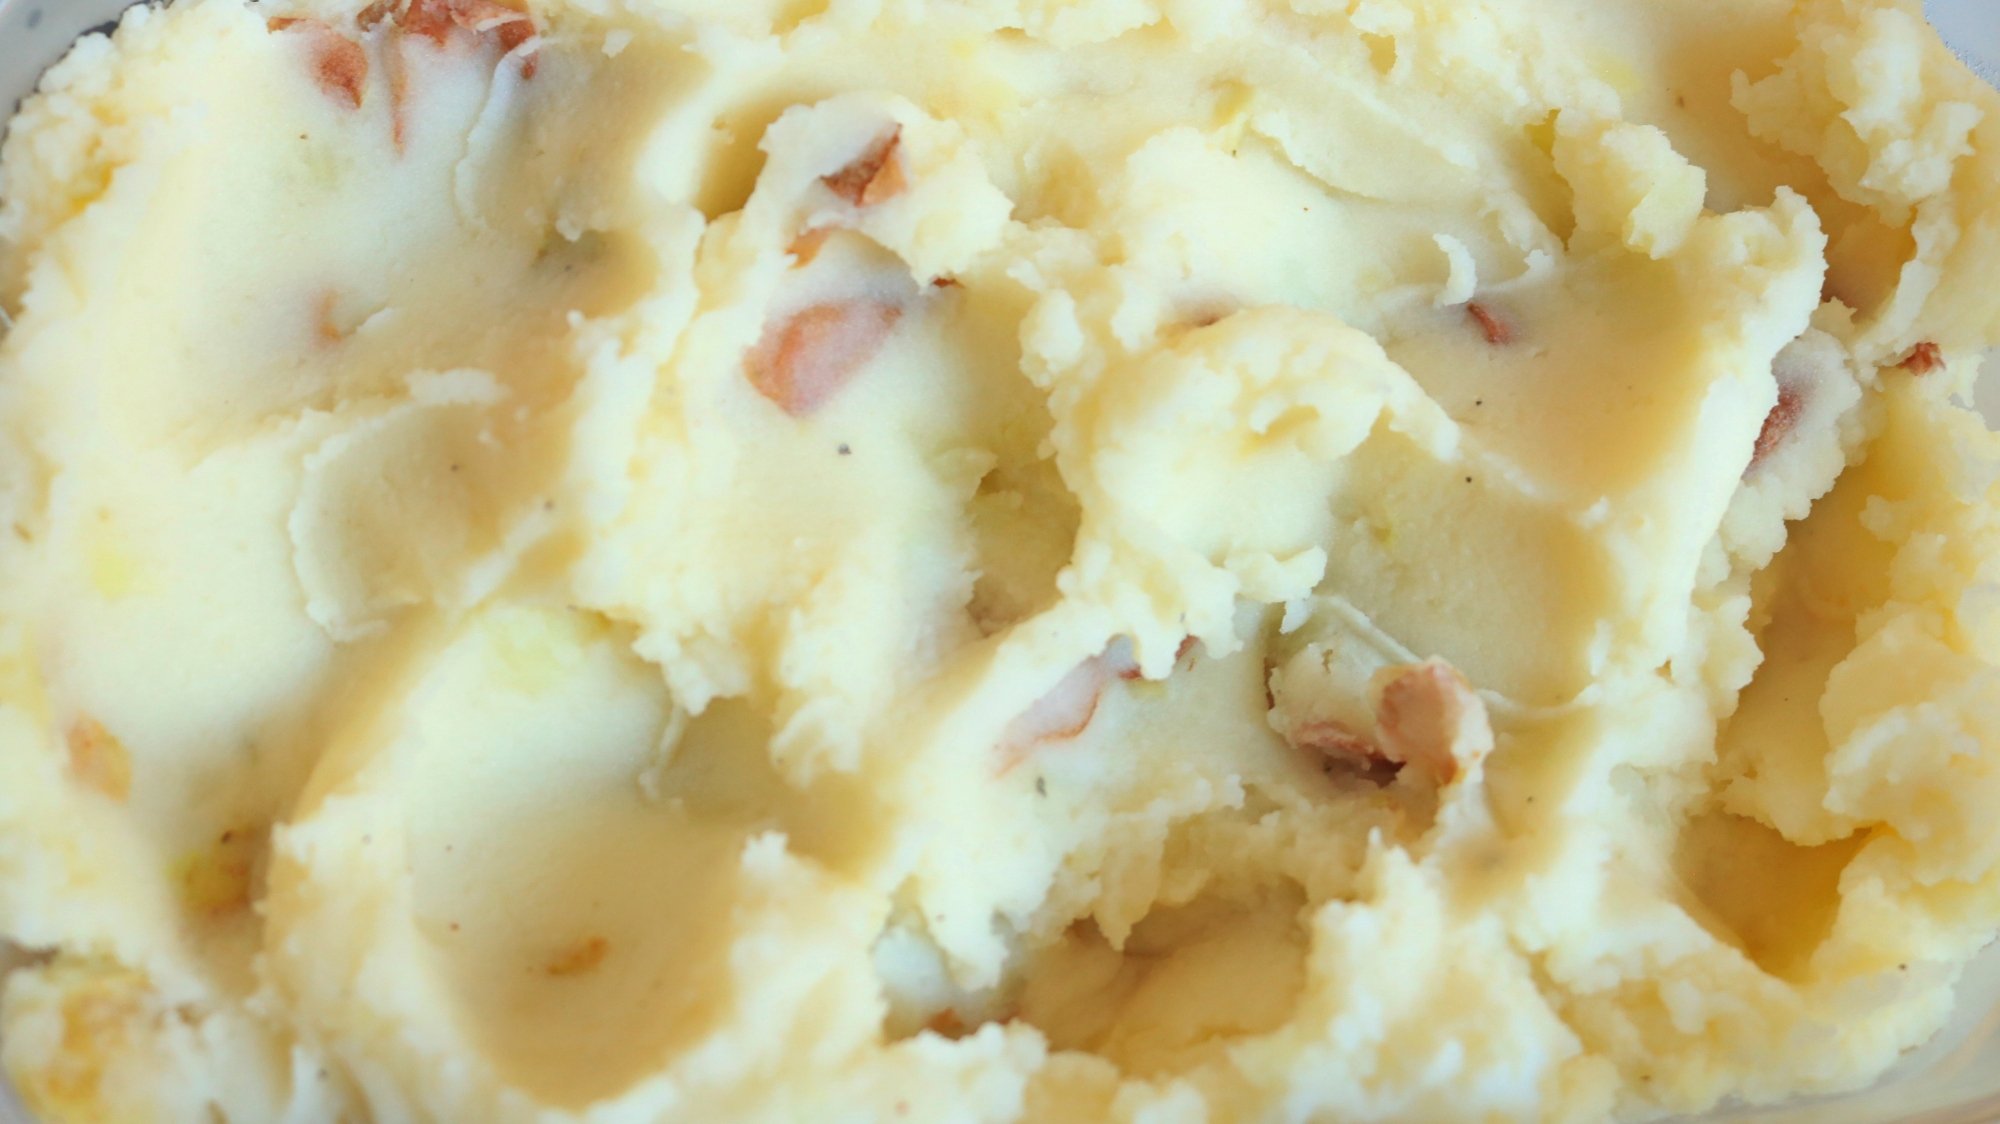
(1334, 739)
(1075, 729)
(98, 759)
(1418, 711)
(801, 363)
(1778, 423)
(430, 19)
(1077, 719)
(1497, 331)
(1340, 749)
(808, 244)
(886, 186)
(342, 69)
(512, 35)
(436, 20)
(578, 959)
(374, 14)
(1924, 358)
(324, 324)
(399, 102)
(874, 176)
(509, 27)
(1120, 658)
(340, 66)
(1182, 656)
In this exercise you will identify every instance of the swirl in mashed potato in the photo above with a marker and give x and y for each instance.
(1152, 560)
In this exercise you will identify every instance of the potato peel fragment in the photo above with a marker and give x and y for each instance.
(806, 359)
(1923, 359)
(436, 19)
(875, 176)
(581, 958)
(98, 760)
(1428, 716)
(340, 66)
(1497, 331)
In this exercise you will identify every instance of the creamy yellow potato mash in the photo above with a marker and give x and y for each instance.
(1126, 560)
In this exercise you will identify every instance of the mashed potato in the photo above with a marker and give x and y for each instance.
(1143, 560)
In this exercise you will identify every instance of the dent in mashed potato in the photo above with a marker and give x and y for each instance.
(1155, 560)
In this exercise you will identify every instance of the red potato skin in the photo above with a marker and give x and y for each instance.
(875, 176)
(339, 65)
(1923, 359)
(806, 359)
(1497, 330)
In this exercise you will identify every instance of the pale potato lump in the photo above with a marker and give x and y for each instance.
(1138, 560)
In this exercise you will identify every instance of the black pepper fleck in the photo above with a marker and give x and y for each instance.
(845, 451)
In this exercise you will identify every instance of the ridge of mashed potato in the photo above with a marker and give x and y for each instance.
(1151, 560)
